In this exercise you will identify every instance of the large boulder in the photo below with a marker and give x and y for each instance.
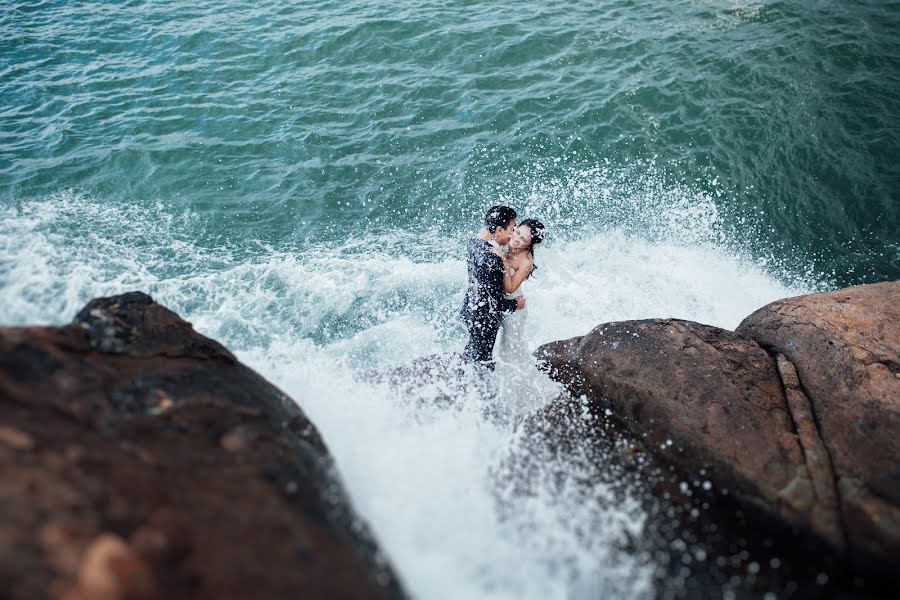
(845, 346)
(142, 460)
(704, 400)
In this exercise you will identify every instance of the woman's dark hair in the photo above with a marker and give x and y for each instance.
(538, 233)
(498, 216)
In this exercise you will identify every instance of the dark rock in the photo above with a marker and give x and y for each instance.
(134, 325)
(699, 397)
(141, 459)
(796, 414)
(111, 570)
(845, 346)
(699, 541)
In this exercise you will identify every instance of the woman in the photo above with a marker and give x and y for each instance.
(518, 264)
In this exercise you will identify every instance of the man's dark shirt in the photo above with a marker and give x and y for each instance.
(484, 299)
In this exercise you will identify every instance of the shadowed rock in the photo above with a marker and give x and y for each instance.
(142, 460)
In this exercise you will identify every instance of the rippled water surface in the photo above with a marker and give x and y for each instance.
(292, 120)
(298, 179)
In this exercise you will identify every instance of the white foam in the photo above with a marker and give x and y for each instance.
(310, 320)
(617, 277)
(423, 478)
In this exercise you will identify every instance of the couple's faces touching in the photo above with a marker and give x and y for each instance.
(502, 235)
(518, 237)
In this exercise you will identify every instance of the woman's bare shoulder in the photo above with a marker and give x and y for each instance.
(526, 260)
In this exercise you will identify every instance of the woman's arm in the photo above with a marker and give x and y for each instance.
(511, 282)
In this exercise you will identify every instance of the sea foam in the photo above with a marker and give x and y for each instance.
(314, 319)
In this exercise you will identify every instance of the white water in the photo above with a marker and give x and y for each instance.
(424, 478)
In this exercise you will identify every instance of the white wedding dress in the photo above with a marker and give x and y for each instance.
(522, 388)
(511, 345)
(514, 365)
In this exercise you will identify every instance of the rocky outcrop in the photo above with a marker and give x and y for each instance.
(142, 460)
(845, 349)
(796, 414)
(701, 398)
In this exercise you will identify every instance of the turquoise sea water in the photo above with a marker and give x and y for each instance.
(293, 121)
(299, 178)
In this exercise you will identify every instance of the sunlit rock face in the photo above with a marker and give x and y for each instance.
(705, 397)
(797, 413)
(142, 460)
(845, 347)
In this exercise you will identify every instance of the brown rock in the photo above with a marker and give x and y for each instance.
(165, 539)
(110, 570)
(824, 502)
(699, 397)
(845, 346)
(63, 546)
(235, 440)
(133, 409)
(15, 438)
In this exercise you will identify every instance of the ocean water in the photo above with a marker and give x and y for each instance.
(298, 179)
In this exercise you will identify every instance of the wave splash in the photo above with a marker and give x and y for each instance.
(433, 482)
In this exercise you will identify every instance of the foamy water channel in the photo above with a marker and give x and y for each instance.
(424, 476)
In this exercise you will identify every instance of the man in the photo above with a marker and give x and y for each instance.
(485, 303)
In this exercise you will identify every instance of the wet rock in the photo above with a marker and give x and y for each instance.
(698, 397)
(796, 414)
(111, 570)
(15, 438)
(63, 546)
(165, 539)
(235, 440)
(845, 346)
(421, 372)
(698, 540)
(141, 459)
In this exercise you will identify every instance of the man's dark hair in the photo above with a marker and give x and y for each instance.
(498, 216)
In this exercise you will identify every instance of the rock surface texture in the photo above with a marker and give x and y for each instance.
(142, 460)
(845, 349)
(797, 413)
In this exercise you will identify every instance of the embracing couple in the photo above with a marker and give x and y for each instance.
(500, 258)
